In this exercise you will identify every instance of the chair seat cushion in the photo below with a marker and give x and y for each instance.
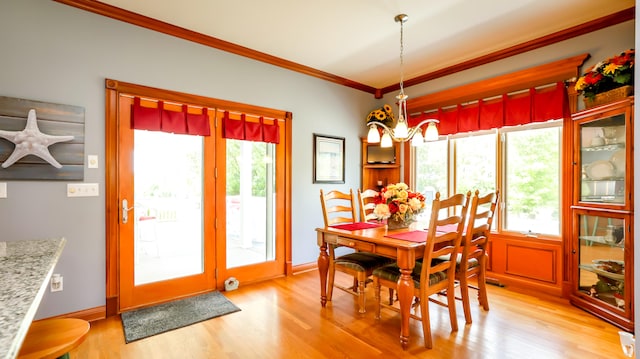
(473, 262)
(362, 261)
(391, 272)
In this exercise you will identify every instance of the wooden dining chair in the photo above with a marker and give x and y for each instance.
(367, 202)
(339, 208)
(432, 276)
(472, 261)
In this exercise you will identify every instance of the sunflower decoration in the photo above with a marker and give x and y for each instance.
(383, 115)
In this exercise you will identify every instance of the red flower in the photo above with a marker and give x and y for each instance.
(393, 207)
(592, 78)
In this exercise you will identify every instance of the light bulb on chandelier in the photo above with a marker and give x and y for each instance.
(402, 132)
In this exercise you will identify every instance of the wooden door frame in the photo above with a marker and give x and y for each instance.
(112, 208)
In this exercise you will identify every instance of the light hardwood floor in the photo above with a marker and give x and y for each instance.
(282, 318)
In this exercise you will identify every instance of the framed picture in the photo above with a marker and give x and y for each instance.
(328, 159)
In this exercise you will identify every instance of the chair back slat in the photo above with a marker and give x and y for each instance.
(366, 199)
(338, 207)
(450, 211)
(481, 214)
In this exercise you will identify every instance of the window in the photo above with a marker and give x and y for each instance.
(523, 162)
(532, 181)
(431, 169)
(475, 163)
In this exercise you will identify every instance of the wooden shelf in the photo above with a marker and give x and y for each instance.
(374, 172)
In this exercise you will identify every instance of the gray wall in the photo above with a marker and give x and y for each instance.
(55, 53)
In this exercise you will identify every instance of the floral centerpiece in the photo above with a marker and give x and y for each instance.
(607, 75)
(398, 205)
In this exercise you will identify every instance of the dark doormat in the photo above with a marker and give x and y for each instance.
(146, 322)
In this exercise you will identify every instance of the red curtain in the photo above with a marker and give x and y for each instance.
(550, 103)
(448, 121)
(468, 118)
(161, 119)
(491, 114)
(250, 131)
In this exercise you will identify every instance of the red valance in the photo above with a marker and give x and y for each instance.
(161, 119)
(250, 131)
(550, 103)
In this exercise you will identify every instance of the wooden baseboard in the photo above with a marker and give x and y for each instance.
(303, 268)
(528, 286)
(90, 315)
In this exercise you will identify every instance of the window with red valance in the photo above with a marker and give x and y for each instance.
(534, 105)
(242, 129)
(161, 119)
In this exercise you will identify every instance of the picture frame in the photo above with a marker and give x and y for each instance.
(328, 159)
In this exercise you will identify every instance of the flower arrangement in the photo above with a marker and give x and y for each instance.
(398, 203)
(607, 75)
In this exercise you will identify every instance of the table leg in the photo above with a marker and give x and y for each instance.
(323, 269)
(406, 261)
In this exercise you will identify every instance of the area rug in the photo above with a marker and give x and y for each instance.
(146, 322)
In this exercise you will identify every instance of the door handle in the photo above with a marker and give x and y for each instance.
(125, 211)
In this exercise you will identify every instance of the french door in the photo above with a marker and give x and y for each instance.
(192, 211)
(167, 247)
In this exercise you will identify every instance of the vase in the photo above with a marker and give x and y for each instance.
(393, 223)
(619, 93)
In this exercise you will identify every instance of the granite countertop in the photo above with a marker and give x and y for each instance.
(25, 271)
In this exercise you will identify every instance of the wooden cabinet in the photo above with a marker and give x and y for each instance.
(387, 171)
(602, 212)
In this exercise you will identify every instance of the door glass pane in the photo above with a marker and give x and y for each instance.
(532, 183)
(250, 202)
(168, 206)
(603, 160)
(602, 265)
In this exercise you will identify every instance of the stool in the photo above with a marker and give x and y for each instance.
(53, 338)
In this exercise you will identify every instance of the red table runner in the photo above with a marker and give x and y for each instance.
(357, 226)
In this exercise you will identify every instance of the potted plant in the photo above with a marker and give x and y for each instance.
(608, 80)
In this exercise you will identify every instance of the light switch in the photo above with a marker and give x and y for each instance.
(92, 161)
(83, 190)
(3, 189)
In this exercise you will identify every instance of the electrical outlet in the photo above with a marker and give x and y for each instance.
(56, 283)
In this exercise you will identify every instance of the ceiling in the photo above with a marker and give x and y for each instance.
(359, 40)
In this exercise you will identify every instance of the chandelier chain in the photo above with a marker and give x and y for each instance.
(402, 57)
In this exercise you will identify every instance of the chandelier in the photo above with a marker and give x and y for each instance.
(402, 132)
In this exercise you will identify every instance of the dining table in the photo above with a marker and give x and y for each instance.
(405, 245)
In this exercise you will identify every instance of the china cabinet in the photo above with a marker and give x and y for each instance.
(602, 212)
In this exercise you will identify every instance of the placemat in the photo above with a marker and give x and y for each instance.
(412, 236)
(420, 235)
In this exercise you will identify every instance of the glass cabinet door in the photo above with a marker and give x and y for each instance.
(603, 160)
(601, 257)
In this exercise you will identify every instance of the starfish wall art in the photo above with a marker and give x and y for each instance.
(41, 140)
(31, 141)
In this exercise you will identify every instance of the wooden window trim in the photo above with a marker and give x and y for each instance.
(552, 72)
